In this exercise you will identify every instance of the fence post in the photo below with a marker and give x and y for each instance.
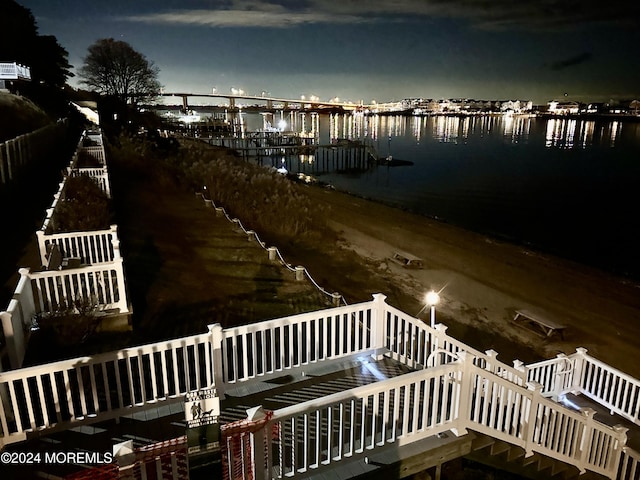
(115, 242)
(3, 176)
(378, 323)
(532, 417)
(492, 354)
(7, 329)
(586, 439)
(579, 359)
(9, 144)
(618, 445)
(217, 364)
(26, 297)
(464, 390)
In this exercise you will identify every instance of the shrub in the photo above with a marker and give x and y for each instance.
(71, 324)
(260, 197)
(84, 207)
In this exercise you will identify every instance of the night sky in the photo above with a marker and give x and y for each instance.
(369, 49)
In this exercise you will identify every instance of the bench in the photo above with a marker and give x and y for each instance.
(407, 260)
(540, 325)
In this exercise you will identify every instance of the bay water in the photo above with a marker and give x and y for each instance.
(564, 186)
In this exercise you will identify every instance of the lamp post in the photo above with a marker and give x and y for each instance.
(432, 298)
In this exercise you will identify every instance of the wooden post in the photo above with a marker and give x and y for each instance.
(3, 175)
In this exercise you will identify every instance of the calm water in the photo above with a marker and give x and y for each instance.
(568, 187)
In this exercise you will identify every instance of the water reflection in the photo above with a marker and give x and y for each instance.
(445, 129)
(516, 128)
(562, 133)
(570, 133)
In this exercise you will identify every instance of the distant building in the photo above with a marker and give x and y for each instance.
(563, 108)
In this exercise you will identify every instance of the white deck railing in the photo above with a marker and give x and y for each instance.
(629, 465)
(97, 152)
(465, 390)
(92, 247)
(269, 348)
(417, 345)
(58, 395)
(102, 284)
(582, 374)
(316, 435)
(14, 71)
(100, 175)
(525, 418)
(17, 319)
(96, 275)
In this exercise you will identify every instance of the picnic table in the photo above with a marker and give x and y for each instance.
(539, 324)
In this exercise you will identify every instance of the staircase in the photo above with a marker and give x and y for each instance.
(504, 456)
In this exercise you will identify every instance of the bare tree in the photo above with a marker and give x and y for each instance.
(114, 68)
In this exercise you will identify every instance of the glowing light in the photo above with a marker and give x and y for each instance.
(432, 298)
(282, 125)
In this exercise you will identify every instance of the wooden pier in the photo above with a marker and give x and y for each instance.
(302, 154)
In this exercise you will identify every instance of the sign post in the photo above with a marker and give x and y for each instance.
(202, 413)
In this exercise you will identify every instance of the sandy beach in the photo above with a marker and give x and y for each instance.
(483, 282)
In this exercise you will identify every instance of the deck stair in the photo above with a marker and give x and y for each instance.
(499, 454)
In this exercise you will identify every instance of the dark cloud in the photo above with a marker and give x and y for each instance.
(539, 15)
(571, 62)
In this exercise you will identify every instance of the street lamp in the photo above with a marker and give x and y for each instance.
(432, 298)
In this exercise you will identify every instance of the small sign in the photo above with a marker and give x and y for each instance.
(202, 408)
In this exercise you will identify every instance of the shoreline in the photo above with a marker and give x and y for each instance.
(485, 280)
(631, 278)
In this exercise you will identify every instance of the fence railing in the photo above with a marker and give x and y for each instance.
(464, 390)
(17, 153)
(14, 71)
(581, 373)
(102, 285)
(96, 152)
(629, 468)
(57, 395)
(304, 439)
(92, 247)
(319, 434)
(251, 352)
(100, 175)
(17, 319)
(90, 269)
(414, 343)
(525, 418)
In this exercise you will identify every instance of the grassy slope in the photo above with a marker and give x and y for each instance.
(19, 115)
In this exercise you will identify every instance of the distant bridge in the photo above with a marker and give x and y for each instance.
(271, 102)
